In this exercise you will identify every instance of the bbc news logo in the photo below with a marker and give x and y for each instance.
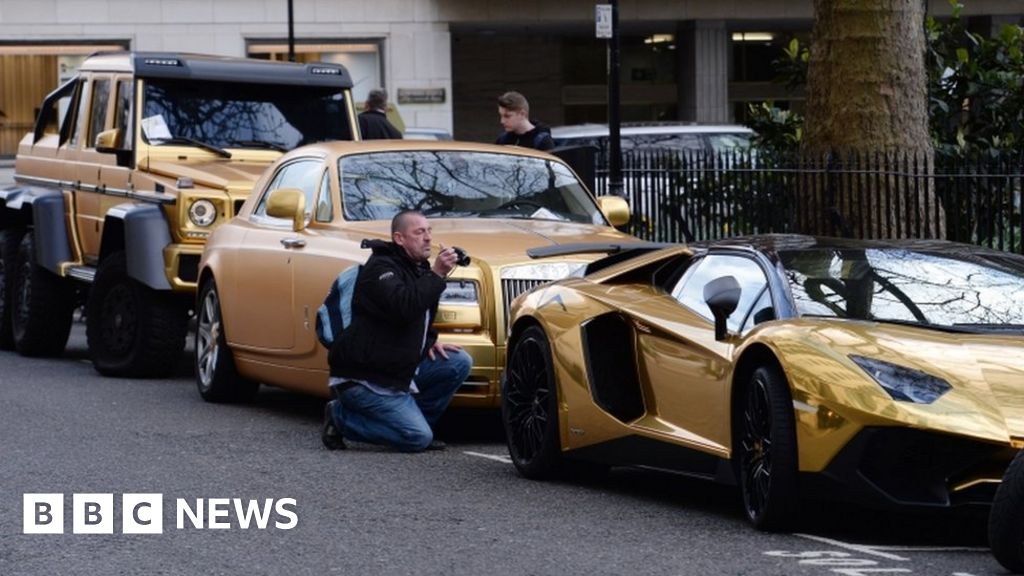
(144, 513)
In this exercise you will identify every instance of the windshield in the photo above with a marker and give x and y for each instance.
(895, 285)
(459, 184)
(238, 115)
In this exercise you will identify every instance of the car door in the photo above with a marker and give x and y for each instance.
(327, 251)
(263, 292)
(686, 370)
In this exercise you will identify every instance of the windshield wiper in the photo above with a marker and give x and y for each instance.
(983, 327)
(197, 143)
(260, 144)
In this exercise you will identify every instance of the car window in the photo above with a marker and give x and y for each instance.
(669, 142)
(761, 311)
(301, 174)
(324, 207)
(690, 289)
(78, 117)
(462, 184)
(729, 142)
(123, 113)
(98, 110)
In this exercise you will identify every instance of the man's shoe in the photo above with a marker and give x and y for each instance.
(329, 433)
(436, 445)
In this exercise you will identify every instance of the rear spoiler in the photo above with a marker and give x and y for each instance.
(617, 252)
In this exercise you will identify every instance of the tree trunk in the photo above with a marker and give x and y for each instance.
(866, 100)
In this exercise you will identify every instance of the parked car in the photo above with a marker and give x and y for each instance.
(264, 274)
(670, 137)
(426, 134)
(131, 165)
(887, 373)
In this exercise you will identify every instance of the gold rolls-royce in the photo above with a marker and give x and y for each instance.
(264, 274)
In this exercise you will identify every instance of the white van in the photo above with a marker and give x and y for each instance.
(676, 136)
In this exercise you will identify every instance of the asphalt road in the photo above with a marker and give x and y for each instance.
(67, 430)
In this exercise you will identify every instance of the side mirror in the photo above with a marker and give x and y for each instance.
(288, 203)
(112, 142)
(615, 209)
(722, 295)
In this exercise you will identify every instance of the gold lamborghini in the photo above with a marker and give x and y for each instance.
(264, 274)
(888, 373)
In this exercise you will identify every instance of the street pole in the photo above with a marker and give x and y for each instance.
(614, 139)
(291, 33)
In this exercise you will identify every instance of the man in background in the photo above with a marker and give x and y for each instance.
(514, 115)
(373, 121)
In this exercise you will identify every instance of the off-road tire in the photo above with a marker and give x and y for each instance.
(217, 378)
(133, 330)
(42, 305)
(9, 241)
(1006, 518)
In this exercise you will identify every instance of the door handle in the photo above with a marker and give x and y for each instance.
(293, 242)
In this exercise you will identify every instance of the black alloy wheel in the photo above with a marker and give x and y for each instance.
(1006, 518)
(766, 449)
(529, 407)
(132, 329)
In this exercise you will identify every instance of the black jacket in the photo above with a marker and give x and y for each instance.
(385, 341)
(539, 138)
(374, 125)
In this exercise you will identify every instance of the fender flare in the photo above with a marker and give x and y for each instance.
(143, 235)
(44, 208)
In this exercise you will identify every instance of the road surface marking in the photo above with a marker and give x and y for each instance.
(502, 459)
(855, 547)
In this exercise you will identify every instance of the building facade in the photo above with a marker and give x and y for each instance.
(445, 61)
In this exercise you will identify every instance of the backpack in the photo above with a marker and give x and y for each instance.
(336, 312)
(538, 138)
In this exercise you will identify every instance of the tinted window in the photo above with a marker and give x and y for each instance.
(728, 142)
(123, 113)
(690, 289)
(231, 114)
(890, 284)
(454, 184)
(670, 142)
(77, 118)
(301, 174)
(98, 114)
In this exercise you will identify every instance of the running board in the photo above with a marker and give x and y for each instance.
(83, 273)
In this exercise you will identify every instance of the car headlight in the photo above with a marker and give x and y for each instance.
(460, 292)
(902, 383)
(202, 213)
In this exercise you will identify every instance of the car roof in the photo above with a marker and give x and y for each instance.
(592, 130)
(204, 67)
(347, 148)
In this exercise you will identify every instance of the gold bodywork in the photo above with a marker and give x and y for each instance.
(270, 292)
(170, 176)
(687, 378)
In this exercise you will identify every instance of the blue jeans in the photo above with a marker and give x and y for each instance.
(402, 421)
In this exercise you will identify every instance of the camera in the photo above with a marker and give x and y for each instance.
(461, 258)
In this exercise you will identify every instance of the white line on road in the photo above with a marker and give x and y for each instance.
(933, 548)
(855, 547)
(502, 459)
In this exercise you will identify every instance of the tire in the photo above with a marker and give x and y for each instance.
(1006, 520)
(216, 376)
(9, 241)
(133, 330)
(766, 451)
(529, 407)
(42, 305)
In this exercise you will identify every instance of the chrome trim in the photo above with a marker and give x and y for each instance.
(152, 196)
(83, 273)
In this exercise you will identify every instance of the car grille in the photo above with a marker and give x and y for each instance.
(512, 288)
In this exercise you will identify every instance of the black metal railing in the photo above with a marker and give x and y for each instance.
(679, 197)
